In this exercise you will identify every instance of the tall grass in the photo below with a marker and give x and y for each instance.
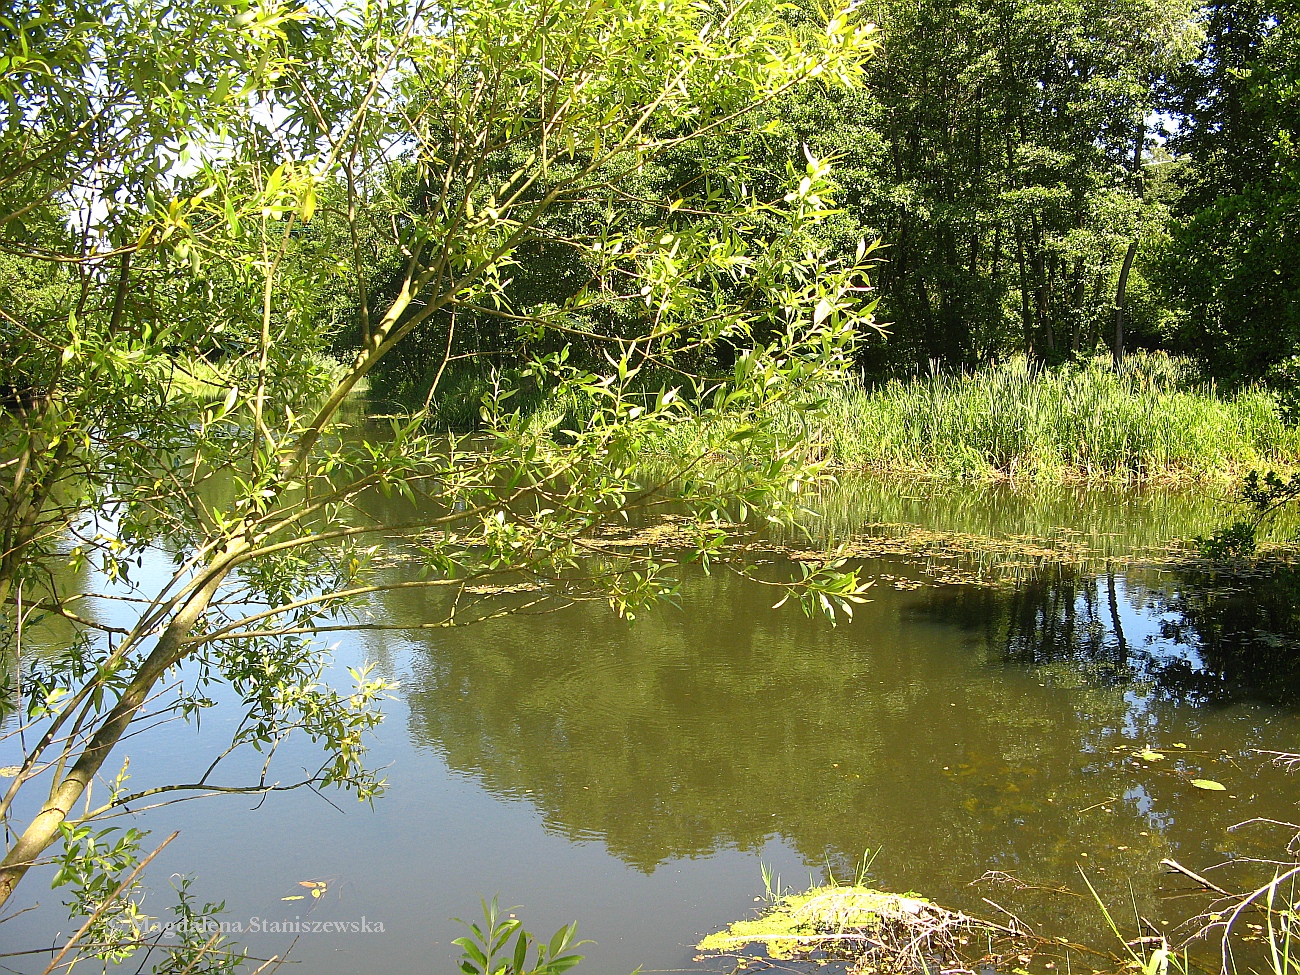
(1152, 420)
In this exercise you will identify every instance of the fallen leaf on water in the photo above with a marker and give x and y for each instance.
(1150, 756)
(294, 897)
(310, 883)
(1209, 785)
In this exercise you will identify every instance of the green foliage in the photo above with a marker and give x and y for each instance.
(1268, 492)
(486, 950)
(199, 947)
(1000, 153)
(93, 866)
(1154, 420)
(1229, 264)
(199, 194)
(1230, 544)
(1007, 177)
(1266, 495)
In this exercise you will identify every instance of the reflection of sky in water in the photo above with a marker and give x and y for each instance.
(1155, 638)
(1158, 820)
(1140, 720)
(634, 777)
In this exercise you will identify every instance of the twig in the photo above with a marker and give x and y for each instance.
(1179, 868)
(107, 901)
(1025, 928)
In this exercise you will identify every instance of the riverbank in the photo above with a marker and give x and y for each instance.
(1152, 421)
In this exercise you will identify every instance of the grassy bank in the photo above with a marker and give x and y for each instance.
(1152, 421)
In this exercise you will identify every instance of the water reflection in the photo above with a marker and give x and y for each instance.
(958, 729)
(963, 729)
(1245, 633)
(1191, 638)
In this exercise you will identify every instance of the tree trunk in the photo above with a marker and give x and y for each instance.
(1076, 306)
(1120, 291)
(43, 830)
(1024, 294)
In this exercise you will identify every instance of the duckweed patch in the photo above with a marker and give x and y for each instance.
(878, 931)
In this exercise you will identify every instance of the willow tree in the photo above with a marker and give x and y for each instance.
(183, 190)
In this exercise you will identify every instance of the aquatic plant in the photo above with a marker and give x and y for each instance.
(1154, 420)
(486, 950)
(848, 921)
(1019, 420)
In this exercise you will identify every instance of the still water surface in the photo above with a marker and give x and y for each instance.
(634, 777)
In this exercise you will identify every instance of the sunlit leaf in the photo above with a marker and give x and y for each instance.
(308, 205)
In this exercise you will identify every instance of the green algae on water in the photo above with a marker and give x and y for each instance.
(850, 921)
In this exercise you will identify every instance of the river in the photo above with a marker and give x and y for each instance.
(983, 716)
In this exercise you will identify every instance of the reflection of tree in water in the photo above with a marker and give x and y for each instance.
(1057, 616)
(1188, 638)
(723, 724)
(1247, 634)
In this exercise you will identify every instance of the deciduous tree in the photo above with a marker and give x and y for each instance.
(175, 186)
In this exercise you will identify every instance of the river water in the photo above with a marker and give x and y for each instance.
(635, 777)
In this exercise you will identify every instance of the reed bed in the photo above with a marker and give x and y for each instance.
(1151, 421)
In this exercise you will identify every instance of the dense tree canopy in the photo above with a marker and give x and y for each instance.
(1044, 178)
(1230, 268)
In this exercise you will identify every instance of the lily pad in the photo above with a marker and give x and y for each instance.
(1209, 785)
(1150, 756)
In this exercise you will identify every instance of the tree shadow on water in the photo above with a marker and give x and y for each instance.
(1198, 638)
